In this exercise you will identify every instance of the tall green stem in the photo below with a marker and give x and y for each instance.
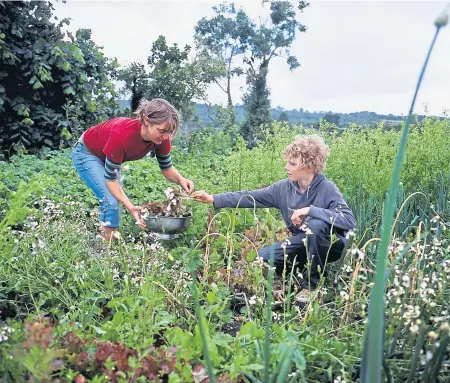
(372, 358)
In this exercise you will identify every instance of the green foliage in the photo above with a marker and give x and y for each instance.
(283, 117)
(257, 108)
(19, 207)
(172, 75)
(42, 73)
(332, 118)
(129, 306)
(170, 71)
(136, 81)
(232, 37)
(375, 149)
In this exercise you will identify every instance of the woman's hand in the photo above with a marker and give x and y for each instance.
(173, 175)
(299, 215)
(187, 185)
(134, 211)
(202, 196)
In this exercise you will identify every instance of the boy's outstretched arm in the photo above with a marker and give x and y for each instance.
(265, 197)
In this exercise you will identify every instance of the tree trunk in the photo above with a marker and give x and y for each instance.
(230, 106)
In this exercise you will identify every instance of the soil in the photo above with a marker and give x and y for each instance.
(233, 327)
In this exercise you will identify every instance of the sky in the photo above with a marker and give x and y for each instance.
(355, 55)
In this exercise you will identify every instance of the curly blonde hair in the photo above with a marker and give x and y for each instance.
(311, 150)
(159, 111)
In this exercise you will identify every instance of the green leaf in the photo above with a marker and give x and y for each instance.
(254, 366)
(37, 85)
(91, 106)
(65, 134)
(117, 319)
(69, 90)
(98, 330)
(27, 121)
(250, 256)
(66, 66)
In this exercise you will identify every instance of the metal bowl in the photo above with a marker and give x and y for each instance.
(168, 227)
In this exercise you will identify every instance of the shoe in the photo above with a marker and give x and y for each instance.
(304, 296)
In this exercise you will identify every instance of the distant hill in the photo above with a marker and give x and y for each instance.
(301, 116)
(205, 116)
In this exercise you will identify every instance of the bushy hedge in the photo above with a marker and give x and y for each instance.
(52, 86)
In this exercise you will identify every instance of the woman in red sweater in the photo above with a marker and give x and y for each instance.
(102, 149)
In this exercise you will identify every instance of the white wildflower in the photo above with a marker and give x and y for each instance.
(4, 333)
(351, 233)
(344, 295)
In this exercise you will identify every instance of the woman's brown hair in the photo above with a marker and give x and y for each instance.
(159, 111)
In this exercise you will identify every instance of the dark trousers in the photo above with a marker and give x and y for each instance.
(317, 250)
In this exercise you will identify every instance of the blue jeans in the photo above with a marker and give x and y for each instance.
(92, 171)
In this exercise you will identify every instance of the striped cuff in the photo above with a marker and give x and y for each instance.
(111, 170)
(164, 162)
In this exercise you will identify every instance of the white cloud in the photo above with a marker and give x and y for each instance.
(355, 55)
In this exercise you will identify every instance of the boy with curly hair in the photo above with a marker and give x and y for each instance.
(312, 208)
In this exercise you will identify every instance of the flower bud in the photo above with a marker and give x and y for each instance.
(442, 19)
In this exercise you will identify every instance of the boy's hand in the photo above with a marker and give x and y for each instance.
(202, 196)
(299, 215)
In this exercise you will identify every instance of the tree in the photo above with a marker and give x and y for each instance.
(257, 108)
(92, 80)
(136, 81)
(273, 38)
(283, 117)
(225, 37)
(45, 78)
(332, 118)
(171, 74)
(175, 77)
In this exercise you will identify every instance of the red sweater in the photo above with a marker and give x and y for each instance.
(120, 140)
